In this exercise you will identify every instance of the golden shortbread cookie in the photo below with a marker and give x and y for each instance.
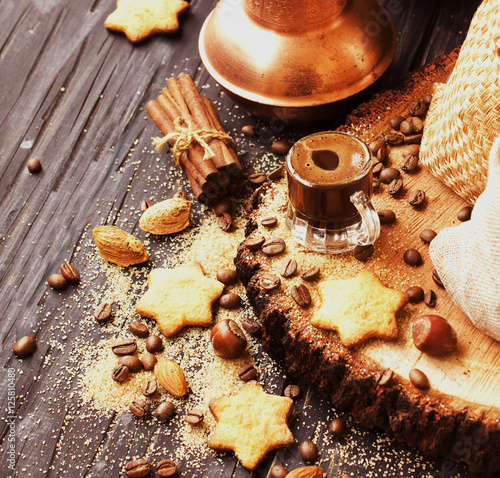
(359, 308)
(139, 19)
(251, 423)
(179, 297)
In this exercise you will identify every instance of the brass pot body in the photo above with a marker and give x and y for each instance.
(296, 60)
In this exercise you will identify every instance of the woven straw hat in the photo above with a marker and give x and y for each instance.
(464, 116)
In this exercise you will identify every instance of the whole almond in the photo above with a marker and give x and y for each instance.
(166, 217)
(171, 377)
(306, 472)
(118, 246)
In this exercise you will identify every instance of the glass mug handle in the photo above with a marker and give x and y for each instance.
(370, 226)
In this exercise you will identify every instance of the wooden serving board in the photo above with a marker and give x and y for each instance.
(458, 417)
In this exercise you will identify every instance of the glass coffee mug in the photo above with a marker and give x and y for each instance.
(330, 182)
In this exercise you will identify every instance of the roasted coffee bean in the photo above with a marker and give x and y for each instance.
(148, 361)
(393, 139)
(386, 216)
(225, 222)
(34, 165)
(247, 372)
(308, 451)
(437, 279)
(419, 379)
(181, 195)
(413, 139)
(278, 471)
(69, 272)
(409, 164)
(375, 145)
(166, 468)
(132, 362)
(412, 257)
(377, 168)
(194, 416)
(419, 108)
(338, 427)
(384, 377)
(230, 301)
(427, 235)
(416, 294)
(418, 124)
(292, 391)
(249, 130)
(138, 468)
(276, 175)
(288, 268)
(430, 299)
(269, 222)
(251, 326)
(103, 312)
(406, 127)
(363, 253)
(310, 274)
(254, 243)
(376, 184)
(411, 150)
(149, 388)
(57, 281)
(464, 214)
(139, 329)
(164, 411)
(382, 154)
(139, 407)
(281, 147)
(227, 276)
(395, 187)
(396, 121)
(145, 205)
(24, 346)
(273, 246)
(223, 206)
(301, 295)
(124, 347)
(248, 208)
(416, 199)
(154, 344)
(120, 373)
(269, 281)
(257, 179)
(388, 175)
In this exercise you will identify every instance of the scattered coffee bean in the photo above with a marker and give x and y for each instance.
(418, 124)
(164, 411)
(311, 274)
(413, 139)
(416, 198)
(308, 451)
(149, 388)
(430, 299)
(250, 326)
(376, 184)
(288, 268)
(382, 154)
(419, 109)
(411, 150)
(138, 468)
(247, 372)
(57, 281)
(255, 243)
(406, 127)
(227, 276)
(249, 130)
(139, 407)
(257, 179)
(301, 295)
(132, 362)
(388, 175)
(396, 121)
(292, 391)
(248, 208)
(276, 175)
(148, 362)
(223, 206)
(166, 468)
(386, 216)
(393, 139)
(278, 471)
(269, 281)
(34, 165)
(120, 373)
(69, 272)
(395, 187)
(103, 312)
(281, 147)
(181, 195)
(338, 427)
(419, 379)
(139, 329)
(230, 301)
(377, 168)
(412, 257)
(363, 253)
(464, 214)
(427, 235)
(194, 416)
(154, 344)
(416, 294)
(375, 145)
(146, 205)
(24, 346)
(269, 222)
(437, 279)
(409, 164)
(384, 377)
(273, 246)
(124, 347)
(225, 222)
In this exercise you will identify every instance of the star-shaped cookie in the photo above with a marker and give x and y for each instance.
(139, 19)
(179, 297)
(251, 423)
(359, 308)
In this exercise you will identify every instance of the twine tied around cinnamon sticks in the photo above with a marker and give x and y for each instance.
(185, 135)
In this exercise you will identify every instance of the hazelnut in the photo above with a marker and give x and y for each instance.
(227, 339)
(433, 335)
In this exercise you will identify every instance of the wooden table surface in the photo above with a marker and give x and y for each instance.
(74, 95)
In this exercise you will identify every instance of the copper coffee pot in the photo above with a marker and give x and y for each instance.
(299, 61)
